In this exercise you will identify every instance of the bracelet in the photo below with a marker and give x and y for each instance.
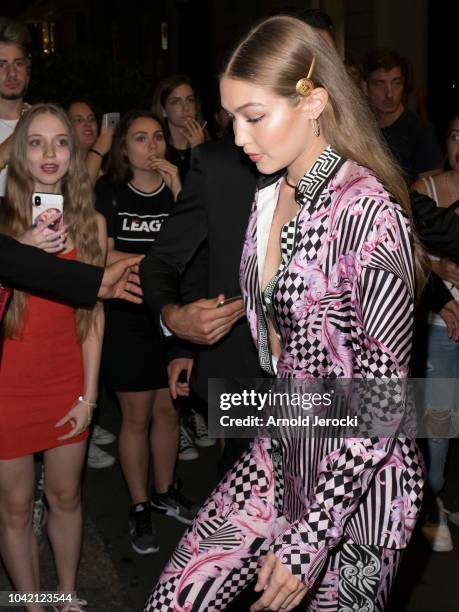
(89, 404)
(3, 165)
(96, 152)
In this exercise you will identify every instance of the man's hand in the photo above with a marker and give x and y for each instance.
(282, 590)
(201, 322)
(121, 281)
(175, 367)
(450, 315)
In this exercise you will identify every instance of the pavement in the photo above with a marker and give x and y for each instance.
(113, 578)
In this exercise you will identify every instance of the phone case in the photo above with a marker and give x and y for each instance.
(46, 204)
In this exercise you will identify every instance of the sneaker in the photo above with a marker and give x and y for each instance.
(198, 427)
(98, 458)
(187, 450)
(76, 605)
(142, 532)
(438, 533)
(102, 436)
(174, 503)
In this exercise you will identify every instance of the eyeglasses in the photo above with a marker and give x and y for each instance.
(20, 64)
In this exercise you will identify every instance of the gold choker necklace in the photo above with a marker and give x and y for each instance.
(289, 184)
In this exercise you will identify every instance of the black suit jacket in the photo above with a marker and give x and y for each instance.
(35, 271)
(206, 230)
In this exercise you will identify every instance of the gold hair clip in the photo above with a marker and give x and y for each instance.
(305, 85)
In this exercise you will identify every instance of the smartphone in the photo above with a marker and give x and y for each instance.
(229, 301)
(110, 120)
(46, 204)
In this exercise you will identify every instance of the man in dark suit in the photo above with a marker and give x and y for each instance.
(208, 224)
(35, 271)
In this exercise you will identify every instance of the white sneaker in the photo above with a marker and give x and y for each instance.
(438, 534)
(187, 450)
(102, 436)
(98, 458)
(199, 429)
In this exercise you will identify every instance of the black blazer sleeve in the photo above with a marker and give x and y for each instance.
(33, 270)
(181, 236)
(437, 227)
(436, 293)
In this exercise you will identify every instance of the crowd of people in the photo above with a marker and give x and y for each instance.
(312, 200)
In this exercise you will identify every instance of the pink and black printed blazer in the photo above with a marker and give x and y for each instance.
(342, 304)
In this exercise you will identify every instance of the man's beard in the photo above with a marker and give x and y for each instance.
(14, 96)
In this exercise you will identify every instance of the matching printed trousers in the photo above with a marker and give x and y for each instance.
(221, 552)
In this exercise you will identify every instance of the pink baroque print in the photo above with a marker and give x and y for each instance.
(347, 268)
(206, 566)
(257, 519)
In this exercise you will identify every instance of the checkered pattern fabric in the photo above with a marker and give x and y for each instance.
(233, 585)
(276, 455)
(245, 476)
(162, 598)
(287, 240)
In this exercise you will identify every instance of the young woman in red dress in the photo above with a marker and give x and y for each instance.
(50, 358)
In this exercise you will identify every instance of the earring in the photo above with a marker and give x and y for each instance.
(316, 127)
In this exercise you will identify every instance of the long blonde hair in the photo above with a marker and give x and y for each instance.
(79, 211)
(276, 54)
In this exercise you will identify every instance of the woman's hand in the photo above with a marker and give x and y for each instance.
(45, 238)
(79, 416)
(282, 591)
(450, 315)
(169, 173)
(193, 132)
(447, 270)
(103, 143)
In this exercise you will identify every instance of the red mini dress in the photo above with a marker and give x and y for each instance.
(41, 377)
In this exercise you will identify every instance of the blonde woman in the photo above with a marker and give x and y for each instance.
(328, 275)
(50, 358)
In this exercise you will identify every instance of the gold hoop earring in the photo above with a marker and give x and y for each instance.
(316, 127)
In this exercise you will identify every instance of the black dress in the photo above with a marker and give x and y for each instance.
(132, 355)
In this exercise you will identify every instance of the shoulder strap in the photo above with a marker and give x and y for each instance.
(428, 186)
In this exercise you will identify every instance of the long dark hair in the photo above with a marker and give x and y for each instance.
(164, 90)
(118, 166)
